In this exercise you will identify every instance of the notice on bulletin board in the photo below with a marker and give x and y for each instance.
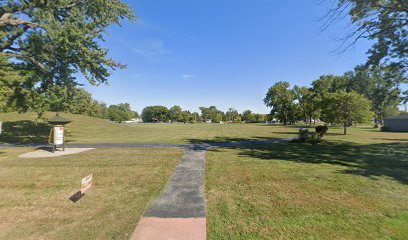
(58, 135)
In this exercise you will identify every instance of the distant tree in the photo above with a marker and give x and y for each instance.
(281, 99)
(248, 116)
(186, 117)
(308, 104)
(217, 117)
(120, 112)
(136, 114)
(346, 109)
(383, 21)
(381, 85)
(102, 110)
(211, 113)
(155, 114)
(196, 117)
(176, 114)
(260, 117)
(232, 115)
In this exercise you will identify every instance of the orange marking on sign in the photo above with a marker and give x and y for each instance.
(86, 183)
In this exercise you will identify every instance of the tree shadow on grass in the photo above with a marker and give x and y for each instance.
(393, 139)
(25, 132)
(228, 140)
(373, 160)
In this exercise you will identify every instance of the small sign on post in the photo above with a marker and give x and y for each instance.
(86, 184)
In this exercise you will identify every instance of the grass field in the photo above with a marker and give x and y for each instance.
(350, 187)
(34, 193)
(21, 128)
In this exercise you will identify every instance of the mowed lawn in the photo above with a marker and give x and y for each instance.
(350, 187)
(21, 128)
(34, 202)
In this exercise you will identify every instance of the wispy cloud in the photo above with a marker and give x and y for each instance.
(151, 50)
(187, 76)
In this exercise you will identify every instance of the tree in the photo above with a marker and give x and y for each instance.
(211, 113)
(102, 110)
(195, 117)
(232, 115)
(260, 117)
(381, 85)
(405, 97)
(385, 22)
(329, 84)
(186, 117)
(346, 109)
(248, 116)
(120, 113)
(217, 117)
(155, 114)
(281, 100)
(308, 106)
(56, 40)
(176, 114)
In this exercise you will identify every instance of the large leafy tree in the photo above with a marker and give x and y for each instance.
(211, 113)
(281, 99)
(56, 40)
(232, 115)
(381, 84)
(383, 21)
(308, 104)
(248, 116)
(346, 108)
(120, 112)
(176, 114)
(155, 114)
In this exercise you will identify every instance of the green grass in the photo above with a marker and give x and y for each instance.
(349, 187)
(21, 128)
(34, 193)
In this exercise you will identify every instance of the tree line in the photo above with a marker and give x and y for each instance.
(207, 114)
(358, 96)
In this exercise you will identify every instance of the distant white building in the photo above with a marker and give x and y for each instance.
(134, 121)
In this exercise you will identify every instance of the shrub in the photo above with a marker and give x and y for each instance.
(309, 137)
(314, 138)
(321, 130)
(303, 134)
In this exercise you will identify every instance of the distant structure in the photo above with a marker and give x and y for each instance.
(134, 120)
(396, 124)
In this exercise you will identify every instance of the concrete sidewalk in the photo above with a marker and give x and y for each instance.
(179, 212)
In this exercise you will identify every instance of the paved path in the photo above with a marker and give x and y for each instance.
(179, 212)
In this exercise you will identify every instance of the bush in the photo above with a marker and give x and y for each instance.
(385, 129)
(321, 130)
(309, 137)
(314, 138)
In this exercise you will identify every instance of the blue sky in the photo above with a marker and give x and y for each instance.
(225, 53)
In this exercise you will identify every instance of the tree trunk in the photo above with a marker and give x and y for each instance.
(376, 123)
(345, 129)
